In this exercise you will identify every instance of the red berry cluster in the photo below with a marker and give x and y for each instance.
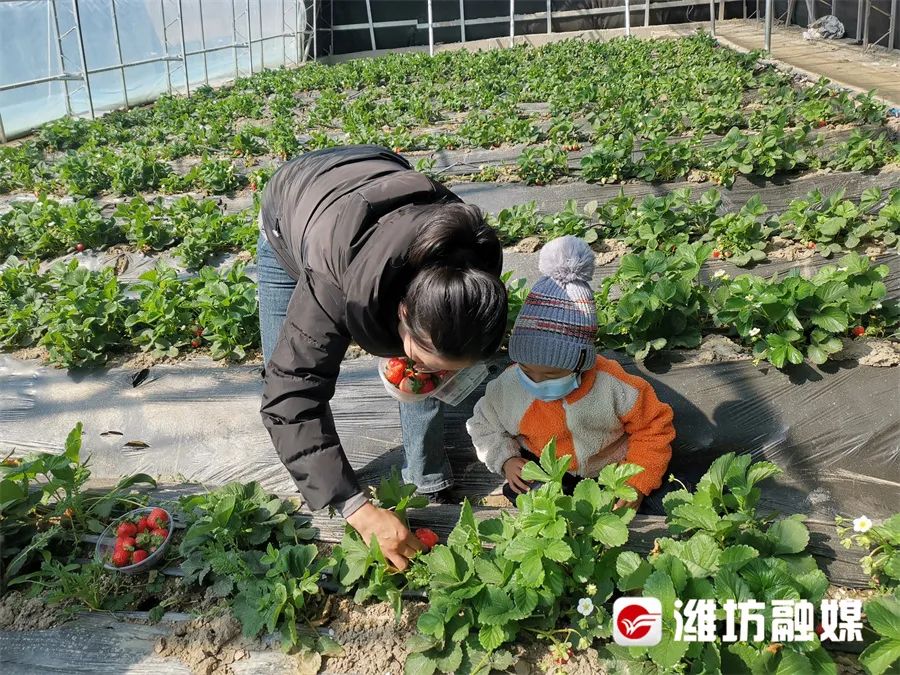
(137, 538)
(402, 373)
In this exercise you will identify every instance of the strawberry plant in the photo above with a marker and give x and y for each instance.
(163, 316)
(824, 221)
(517, 292)
(741, 236)
(669, 221)
(83, 316)
(84, 172)
(23, 167)
(881, 543)
(215, 175)
(722, 549)
(66, 133)
(542, 165)
(883, 227)
(544, 572)
(774, 149)
(864, 151)
(145, 224)
(661, 303)
(570, 221)
(206, 235)
(45, 228)
(249, 142)
(136, 169)
(882, 613)
(227, 311)
(665, 160)
(610, 159)
(22, 295)
(794, 318)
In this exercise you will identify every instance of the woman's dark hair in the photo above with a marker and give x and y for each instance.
(456, 300)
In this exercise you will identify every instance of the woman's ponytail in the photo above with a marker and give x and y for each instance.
(456, 301)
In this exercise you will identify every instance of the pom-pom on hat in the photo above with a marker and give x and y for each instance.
(558, 322)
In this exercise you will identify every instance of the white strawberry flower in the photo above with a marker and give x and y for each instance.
(877, 306)
(591, 589)
(585, 606)
(719, 274)
(862, 524)
(753, 332)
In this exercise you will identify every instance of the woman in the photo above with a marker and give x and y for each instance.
(356, 246)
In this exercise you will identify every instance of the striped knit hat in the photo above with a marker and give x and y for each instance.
(558, 322)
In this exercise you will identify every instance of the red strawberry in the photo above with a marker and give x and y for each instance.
(820, 124)
(426, 387)
(79, 247)
(716, 253)
(394, 371)
(139, 556)
(142, 525)
(811, 245)
(820, 629)
(157, 518)
(121, 557)
(126, 529)
(428, 537)
(159, 532)
(408, 385)
(195, 343)
(128, 543)
(858, 331)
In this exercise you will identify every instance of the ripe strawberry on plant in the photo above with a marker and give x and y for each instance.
(121, 557)
(139, 556)
(428, 537)
(157, 518)
(858, 331)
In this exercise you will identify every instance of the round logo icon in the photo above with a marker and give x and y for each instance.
(637, 621)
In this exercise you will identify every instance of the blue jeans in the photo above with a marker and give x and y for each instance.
(425, 461)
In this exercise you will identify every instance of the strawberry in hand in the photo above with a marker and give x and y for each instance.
(428, 537)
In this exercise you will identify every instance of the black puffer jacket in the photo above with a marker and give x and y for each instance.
(340, 221)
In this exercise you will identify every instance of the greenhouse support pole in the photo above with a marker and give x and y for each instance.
(284, 27)
(298, 46)
(712, 17)
(62, 58)
(627, 17)
(646, 13)
(512, 22)
(249, 38)
(162, 13)
(866, 24)
(2, 131)
(315, 38)
(893, 24)
(203, 45)
(549, 16)
(768, 32)
(84, 68)
(116, 36)
(430, 31)
(859, 21)
(462, 20)
(371, 26)
(234, 40)
(184, 63)
(262, 40)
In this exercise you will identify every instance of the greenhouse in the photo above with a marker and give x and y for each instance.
(449, 336)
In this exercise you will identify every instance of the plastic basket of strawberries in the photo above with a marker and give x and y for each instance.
(135, 542)
(406, 383)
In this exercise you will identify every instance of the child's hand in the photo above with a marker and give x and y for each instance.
(636, 504)
(512, 469)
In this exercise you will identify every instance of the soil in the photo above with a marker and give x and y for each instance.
(876, 353)
(608, 250)
(207, 645)
(19, 612)
(719, 349)
(535, 658)
(780, 248)
(528, 245)
(374, 643)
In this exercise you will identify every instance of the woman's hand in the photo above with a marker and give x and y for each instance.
(397, 543)
(512, 469)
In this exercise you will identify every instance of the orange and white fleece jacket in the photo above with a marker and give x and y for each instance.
(611, 417)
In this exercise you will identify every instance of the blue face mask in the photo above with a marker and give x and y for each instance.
(549, 390)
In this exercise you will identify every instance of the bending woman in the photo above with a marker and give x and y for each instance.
(356, 246)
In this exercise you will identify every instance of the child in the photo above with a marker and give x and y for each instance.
(559, 388)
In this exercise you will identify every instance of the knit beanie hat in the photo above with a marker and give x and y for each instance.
(558, 322)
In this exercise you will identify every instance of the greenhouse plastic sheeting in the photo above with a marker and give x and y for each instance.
(29, 51)
(834, 429)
